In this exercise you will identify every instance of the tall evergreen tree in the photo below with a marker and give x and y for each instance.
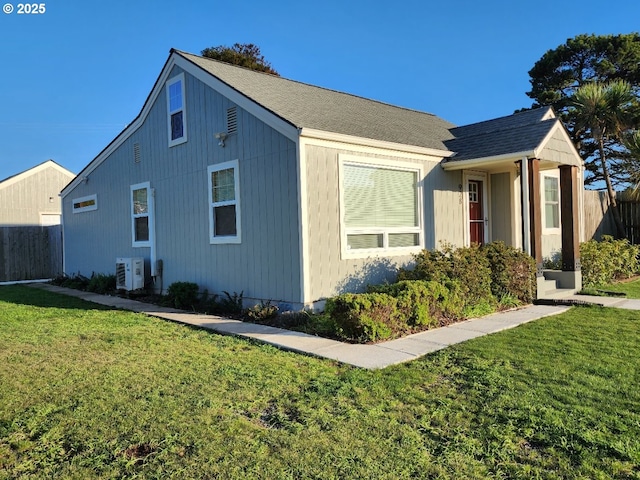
(582, 60)
(243, 54)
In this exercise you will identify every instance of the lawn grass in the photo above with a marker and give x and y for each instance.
(630, 289)
(87, 392)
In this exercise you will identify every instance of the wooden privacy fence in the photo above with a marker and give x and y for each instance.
(598, 219)
(30, 252)
(630, 214)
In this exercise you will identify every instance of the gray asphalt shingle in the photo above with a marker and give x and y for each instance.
(308, 106)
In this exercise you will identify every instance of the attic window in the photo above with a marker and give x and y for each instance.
(232, 120)
(136, 152)
(176, 111)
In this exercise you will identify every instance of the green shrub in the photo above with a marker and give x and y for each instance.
(513, 272)
(183, 295)
(261, 312)
(424, 303)
(608, 260)
(468, 266)
(231, 303)
(77, 282)
(364, 317)
(101, 283)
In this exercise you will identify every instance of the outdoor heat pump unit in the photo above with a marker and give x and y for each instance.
(129, 273)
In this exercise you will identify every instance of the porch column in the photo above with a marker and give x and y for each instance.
(535, 213)
(570, 218)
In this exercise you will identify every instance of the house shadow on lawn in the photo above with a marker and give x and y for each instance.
(38, 297)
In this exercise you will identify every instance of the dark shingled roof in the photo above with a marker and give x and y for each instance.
(308, 106)
(520, 132)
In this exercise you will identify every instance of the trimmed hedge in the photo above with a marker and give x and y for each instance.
(390, 311)
(513, 272)
(424, 303)
(444, 286)
(364, 317)
(608, 260)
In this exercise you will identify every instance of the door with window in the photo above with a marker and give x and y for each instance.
(476, 212)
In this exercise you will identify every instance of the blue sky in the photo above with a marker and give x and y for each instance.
(74, 76)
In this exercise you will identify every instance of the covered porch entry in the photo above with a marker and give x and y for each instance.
(529, 197)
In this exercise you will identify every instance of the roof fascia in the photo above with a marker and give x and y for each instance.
(485, 161)
(265, 115)
(128, 130)
(175, 59)
(552, 131)
(32, 171)
(368, 142)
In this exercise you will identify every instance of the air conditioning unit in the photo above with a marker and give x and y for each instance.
(129, 273)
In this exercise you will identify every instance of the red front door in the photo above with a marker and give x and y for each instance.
(476, 212)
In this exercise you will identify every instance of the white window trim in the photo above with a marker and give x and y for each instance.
(347, 253)
(89, 208)
(149, 214)
(171, 81)
(545, 230)
(237, 238)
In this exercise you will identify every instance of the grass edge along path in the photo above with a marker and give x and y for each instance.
(88, 392)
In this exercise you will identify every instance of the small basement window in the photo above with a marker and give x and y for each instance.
(85, 204)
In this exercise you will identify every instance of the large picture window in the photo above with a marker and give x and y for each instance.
(140, 214)
(224, 203)
(176, 114)
(380, 208)
(551, 202)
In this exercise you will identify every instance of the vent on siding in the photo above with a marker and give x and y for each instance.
(136, 152)
(232, 120)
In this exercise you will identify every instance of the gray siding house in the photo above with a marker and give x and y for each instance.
(32, 197)
(243, 181)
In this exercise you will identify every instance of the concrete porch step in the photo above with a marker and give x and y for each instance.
(556, 293)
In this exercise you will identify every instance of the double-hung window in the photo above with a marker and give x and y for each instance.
(551, 202)
(224, 203)
(140, 214)
(176, 111)
(380, 208)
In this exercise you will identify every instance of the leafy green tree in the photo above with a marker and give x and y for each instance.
(581, 60)
(603, 111)
(243, 54)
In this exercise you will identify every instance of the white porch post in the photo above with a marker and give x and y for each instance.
(526, 219)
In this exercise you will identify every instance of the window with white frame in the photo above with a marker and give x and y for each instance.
(140, 214)
(380, 208)
(551, 202)
(176, 111)
(224, 203)
(85, 204)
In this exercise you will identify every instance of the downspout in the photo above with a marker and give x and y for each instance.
(524, 201)
(152, 236)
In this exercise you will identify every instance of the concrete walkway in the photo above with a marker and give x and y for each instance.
(365, 356)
